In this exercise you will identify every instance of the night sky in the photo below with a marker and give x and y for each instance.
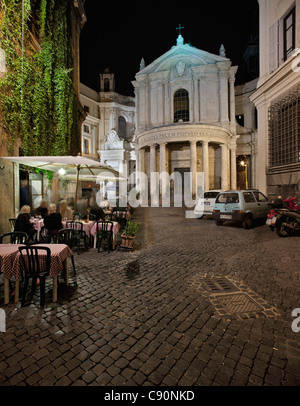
(119, 36)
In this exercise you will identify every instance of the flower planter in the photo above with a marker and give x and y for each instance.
(127, 242)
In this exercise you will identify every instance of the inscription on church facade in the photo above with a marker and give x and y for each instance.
(154, 137)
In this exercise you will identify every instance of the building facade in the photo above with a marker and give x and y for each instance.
(246, 119)
(187, 116)
(108, 130)
(277, 98)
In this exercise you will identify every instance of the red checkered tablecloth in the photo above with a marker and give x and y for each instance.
(87, 227)
(115, 230)
(8, 253)
(59, 253)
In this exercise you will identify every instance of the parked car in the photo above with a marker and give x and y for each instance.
(205, 204)
(242, 206)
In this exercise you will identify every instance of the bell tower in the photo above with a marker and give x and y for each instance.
(107, 81)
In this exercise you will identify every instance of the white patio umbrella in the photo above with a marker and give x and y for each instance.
(74, 167)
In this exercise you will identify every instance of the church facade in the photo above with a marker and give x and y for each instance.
(185, 116)
(181, 120)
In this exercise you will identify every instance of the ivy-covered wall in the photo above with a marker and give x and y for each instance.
(38, 103)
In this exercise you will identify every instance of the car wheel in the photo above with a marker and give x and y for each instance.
(247, 222)
(219, 222)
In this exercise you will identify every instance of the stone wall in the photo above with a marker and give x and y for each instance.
(7, 206)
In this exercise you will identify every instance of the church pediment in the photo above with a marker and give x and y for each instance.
(179, 58)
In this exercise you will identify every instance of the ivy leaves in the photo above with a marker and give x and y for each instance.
(37, 98)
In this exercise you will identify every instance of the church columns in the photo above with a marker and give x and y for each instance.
(223, 95)
(232, 100)
(196, 101)
(233, 171)
(193, 145)
(205, 164)
(141, 170)
(163, 167)
(225, 177)
(154, 182)
(233, 168)
(202, 98)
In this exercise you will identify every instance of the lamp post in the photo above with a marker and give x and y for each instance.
(243, 163)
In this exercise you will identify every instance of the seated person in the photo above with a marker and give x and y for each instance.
(65, 210)
(96, 210)
(53, 221)
(42, 210)
(82, 206)
(70, 202)
(23, 222)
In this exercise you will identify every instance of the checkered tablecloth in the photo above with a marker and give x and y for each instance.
(8, 253)
(87, 227)
(115, 230)
(121, 214)
(59, 253)
(37, 224)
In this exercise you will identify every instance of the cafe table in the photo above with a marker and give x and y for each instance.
(87, 226)
(38, 224)
(115, 230)
(11, 265)
(8, 253)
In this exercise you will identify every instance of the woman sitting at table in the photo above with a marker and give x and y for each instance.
(23, 222)
(53, 222)
(65, 210)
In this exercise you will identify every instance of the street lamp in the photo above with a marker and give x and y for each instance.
(243, 163)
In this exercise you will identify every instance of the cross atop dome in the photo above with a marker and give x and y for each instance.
(180, 40)
(179, 29)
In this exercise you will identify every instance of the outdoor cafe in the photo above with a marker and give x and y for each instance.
(42, 239)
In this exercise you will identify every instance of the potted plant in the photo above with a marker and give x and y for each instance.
(129, 233)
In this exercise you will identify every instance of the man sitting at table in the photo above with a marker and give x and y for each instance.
(42, 210)
(53, 222)
(96, 210)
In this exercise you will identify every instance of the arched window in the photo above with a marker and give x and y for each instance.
(106, 85)
(122, 127)
(181, 106)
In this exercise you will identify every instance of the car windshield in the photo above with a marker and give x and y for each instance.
(227, 198)
(210, 195)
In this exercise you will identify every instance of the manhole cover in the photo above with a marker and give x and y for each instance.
(238, 303)
(217, 285)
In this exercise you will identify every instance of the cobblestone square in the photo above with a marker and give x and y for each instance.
(163, 314)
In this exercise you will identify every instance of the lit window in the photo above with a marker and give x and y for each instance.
(240, 119)
(181, 106)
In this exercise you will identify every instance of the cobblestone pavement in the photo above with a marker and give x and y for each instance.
(193, 304)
